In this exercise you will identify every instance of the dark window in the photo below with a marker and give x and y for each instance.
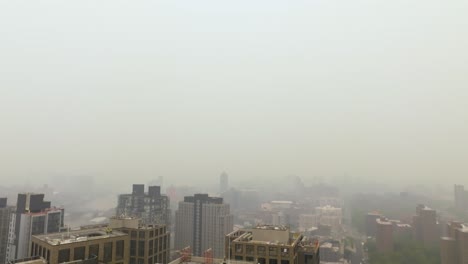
(249, 249)
(79, 253)
(261, 250)
(150, 261)
(107, 252)
(132, 248)
(142, 234)
(156, 244)
(239, 248)
(249, 259)
(48, 255)
(132, 261)
(93, 251)
(284, 261)
(150, 247)
(151, 233)
(64, 255)
(160, 244)
(141, 248)
(273, 261)
(261, 261)
(119, 250)
(238, 258)
(141, 261)
(273, 251)
(134, 234)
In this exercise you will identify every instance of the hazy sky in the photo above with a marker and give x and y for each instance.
(187, 89)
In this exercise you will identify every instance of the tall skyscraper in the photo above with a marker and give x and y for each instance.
(426, 229)
(223, 183)
(33, 216)
(151, 207)
(202, 223)
(5, 218)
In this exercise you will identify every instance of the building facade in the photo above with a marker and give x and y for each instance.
(108, 246)
(5, 222)
(202, 223)
(33, 216)
(425, 227)
(149, 244)
(454, 247)
(384, 236)
(270, 245)
(151, 207)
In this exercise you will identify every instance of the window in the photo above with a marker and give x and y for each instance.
(285, 252)
(273, 261)
(238, 258)
(273, 251)
(250, 259)
(150, 261)
(239, 248)
(64, 255)
(249, 249)
(151, 233)
(141, 248)
(133, 234)
(261, 250)
(132, 248)
(150, 247)
(93, 251)
(142, 235)
(119, 250)
(79, 253)
(141, 261)
(132, 261)
(261, 261)
(284, 261)
(107, 252)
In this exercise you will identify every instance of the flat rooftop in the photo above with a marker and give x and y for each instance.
(79, 236)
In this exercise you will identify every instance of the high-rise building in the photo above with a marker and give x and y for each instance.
(107, 245)
(461, 198)
(371, 223)
(33, 216)
(270, 245)
(151, 207)
(384, 236)
(223, 183)
(202, 223)
(5, 219)
(425, 227)
(453, 248)
(149, 244)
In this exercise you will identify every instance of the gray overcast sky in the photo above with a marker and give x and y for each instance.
(257, 88)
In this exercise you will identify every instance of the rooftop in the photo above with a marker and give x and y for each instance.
(79, 236)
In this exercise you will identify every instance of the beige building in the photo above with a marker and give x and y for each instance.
(202, 222)
(109, 246)
(384, 236)
(270, 245)
(149, 244)
(454, 247)
(425, 227)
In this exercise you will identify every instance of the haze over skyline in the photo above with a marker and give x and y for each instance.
(373, 89)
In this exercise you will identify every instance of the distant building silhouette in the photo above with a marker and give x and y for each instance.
(223, 182)
(425, 226)
(151, 207)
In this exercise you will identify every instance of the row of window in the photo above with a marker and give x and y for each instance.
(79, 253)
(261, 250)
(137, 248)
(142, 234)
(262, 260)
